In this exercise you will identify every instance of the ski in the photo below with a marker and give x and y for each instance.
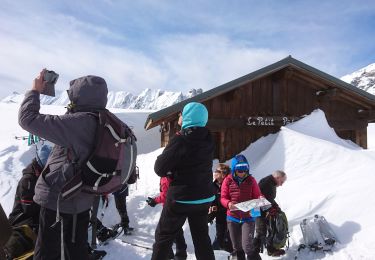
(137, 245)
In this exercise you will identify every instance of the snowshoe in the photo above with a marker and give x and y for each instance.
(105, 233)
(317, 234)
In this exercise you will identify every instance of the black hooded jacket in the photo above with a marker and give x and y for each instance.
(25, 210)
(187, 159)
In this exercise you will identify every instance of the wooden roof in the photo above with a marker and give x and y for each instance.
(158, 117)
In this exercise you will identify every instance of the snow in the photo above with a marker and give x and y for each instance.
(363, 78)
(326, 175)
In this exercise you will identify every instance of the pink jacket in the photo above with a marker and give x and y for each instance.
(232, 192)
(164, 185)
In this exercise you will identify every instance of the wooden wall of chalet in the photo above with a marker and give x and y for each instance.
(285, 93)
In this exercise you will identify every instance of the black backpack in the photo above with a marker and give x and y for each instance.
(111, 162)
(277, 230)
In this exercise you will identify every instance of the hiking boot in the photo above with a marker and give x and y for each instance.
(276, 252)
(96, 254)
(128, 231)
(180, 255)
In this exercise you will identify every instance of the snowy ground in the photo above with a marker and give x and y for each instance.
(326, 175)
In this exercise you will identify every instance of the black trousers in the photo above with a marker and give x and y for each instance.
(173, 217)
(180, 245)
(48, 244)
(120, 201)
(222, 233)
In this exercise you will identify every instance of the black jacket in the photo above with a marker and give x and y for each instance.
(220, 209)
(25, 210)
(267, 186)
(187, 159)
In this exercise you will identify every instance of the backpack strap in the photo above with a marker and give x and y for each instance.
(115, 135)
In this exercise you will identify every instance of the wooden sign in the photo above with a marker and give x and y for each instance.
(270, 120)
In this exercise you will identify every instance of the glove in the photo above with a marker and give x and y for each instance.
(151, 202)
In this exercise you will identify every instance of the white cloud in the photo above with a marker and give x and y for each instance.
(169, 45)
(74, 48)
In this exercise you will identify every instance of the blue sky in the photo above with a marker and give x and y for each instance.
(178, 45)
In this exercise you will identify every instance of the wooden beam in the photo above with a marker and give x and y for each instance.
(348, 124)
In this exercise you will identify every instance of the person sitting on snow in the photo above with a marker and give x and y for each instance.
(268, 187)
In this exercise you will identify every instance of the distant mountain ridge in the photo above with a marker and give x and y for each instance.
(363, 78)
(149, 99)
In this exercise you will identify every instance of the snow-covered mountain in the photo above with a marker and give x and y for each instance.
(148, 99)
(363, 78)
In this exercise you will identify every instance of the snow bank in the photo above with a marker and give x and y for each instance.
(326, 175)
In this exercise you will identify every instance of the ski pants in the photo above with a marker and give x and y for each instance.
(48, 244)
(173, 217)
(241, 235)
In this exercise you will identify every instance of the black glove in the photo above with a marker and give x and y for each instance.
(150, 201)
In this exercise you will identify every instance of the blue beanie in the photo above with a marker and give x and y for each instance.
(240, 163)
(194, 114)
(43, 154)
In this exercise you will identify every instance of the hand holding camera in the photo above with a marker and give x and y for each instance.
(45, 82)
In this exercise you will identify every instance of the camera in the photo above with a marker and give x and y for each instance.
(50, 77)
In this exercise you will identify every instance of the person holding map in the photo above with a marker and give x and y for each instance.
(238, 187)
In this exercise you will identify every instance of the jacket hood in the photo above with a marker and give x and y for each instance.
(239, 162)
(194, 115)
(88, 93)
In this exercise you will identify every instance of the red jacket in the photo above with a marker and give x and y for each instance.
(164, 185)
(232, 192)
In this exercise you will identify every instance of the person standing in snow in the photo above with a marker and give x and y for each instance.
(238, 187)
(187, 159)
(74, 137)
(217, 211)
(179, 240)
(268, 187)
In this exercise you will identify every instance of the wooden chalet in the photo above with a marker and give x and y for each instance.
(257, 104)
